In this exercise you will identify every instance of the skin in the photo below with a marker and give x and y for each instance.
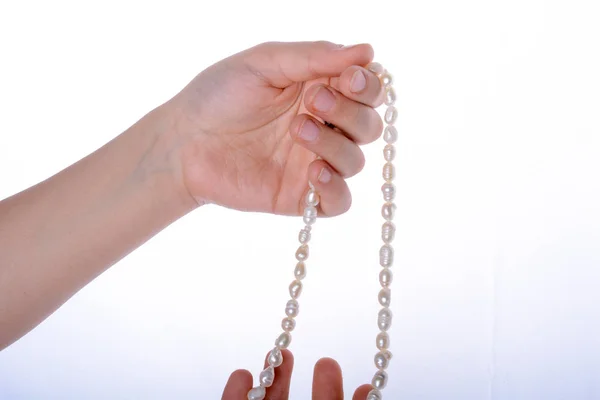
(230, 137)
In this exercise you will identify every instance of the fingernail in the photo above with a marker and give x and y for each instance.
(323, 100)
(348, 46)
(309, 131)
(324, 175)
(358, 82)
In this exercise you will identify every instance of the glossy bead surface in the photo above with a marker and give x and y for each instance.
(385, 297)
(376, 68)
(381, 360)
(390, 96)
(379, 380)
(292, 308)
(374, 394)
(387, 79)
(389, 191)
(386, 255)
(266, 377)
(388, 210)
(385, 277)
(390, 134)
(391, 114)
(389, 152)
(304, 236)
(310, 215)
(300, 270)
(388, 232)
(312, 198)
(257, 393)
(382, 341)
(389, 172)
(288, 324)
(275, 358)
(384, 319)
(302, 253)
(295, 289)
(283, 340)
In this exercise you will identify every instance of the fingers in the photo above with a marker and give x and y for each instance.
(327, 380)
(283, 64)
(360, 122)
(335, 198)
(238, 385)
(280, 390)
(362, 392)
(361, 85)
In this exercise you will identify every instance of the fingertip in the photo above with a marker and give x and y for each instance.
(332, 188)
(362, 392)
(238, 385)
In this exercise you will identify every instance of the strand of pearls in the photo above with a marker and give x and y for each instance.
(386, 259)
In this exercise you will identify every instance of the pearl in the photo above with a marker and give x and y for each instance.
(300, 270)
(288, 324)
(388, 210)
(312, 198)
(310, 215)
(384, 319)
(267, 376)
(257, 393)
(295, 289)
(385, 297)
(304, 236)
(374, 394)
(302, 253)
(283, 340)
(389, 191)
(389, 152)
(388, 232)
(382, 341)
(390, 96)
(385, 277)
(390, 115)
(386, 255)
(379, 380)
(390, 134)
(381, 360)
(376, 68)
(275, 358)
(389, 172)
(291, 308)
(387, 79)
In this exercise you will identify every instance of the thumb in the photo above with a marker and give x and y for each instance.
(282, 64)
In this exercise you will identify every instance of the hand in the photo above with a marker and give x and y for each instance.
(327, 382)
(238, 123)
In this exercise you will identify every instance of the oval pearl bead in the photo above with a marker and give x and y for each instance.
(312, 198)
(390, 134)
(386, 255)
(388, 210)
(379, 380)
(388, 232)
(302, 253)
(304, 236)
(385, 277)
(390, 96)
(389, 152)
(387, 79)
(374, 394)
(275, 358)
(257, 393)
(391, 114)
(385, 297)
(384, 319)
(389, 172)
(283, 340)
(292, 308)
(310, 215)
(295, 289)
(389, 191)
(267, 376)
(376, 68)
(382, 341)
(381, 361)
(288, 324)
(300, 270)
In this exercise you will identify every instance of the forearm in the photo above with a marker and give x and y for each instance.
(58, 235)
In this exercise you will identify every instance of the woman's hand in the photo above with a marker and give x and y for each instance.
(248, 128)
(327, 382)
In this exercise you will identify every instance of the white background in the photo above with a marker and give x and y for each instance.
(497, 285)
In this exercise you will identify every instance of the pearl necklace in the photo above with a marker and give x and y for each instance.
(386, 257)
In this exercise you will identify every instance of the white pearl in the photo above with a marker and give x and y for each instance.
(389, 152)
(376, 68)
(312, 198)
(390, 96)
(390, 134)
(381, 361)
(292, 308)
(389, 172)
(302, 253)
(387, 79)
(385, 297)
(389, 191)
(310, 215)
(374, 394)
(283, 340)
(388, 232)
(257, 393)
(388, 210)
(288, 324)
(300, 270)
(304, 236)
(275, 358)
(267, 376)
(391, 114)
(382, 341)
(385, 277)
(384, 319)
(386, 255)
(379, 380)
(295, 289)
